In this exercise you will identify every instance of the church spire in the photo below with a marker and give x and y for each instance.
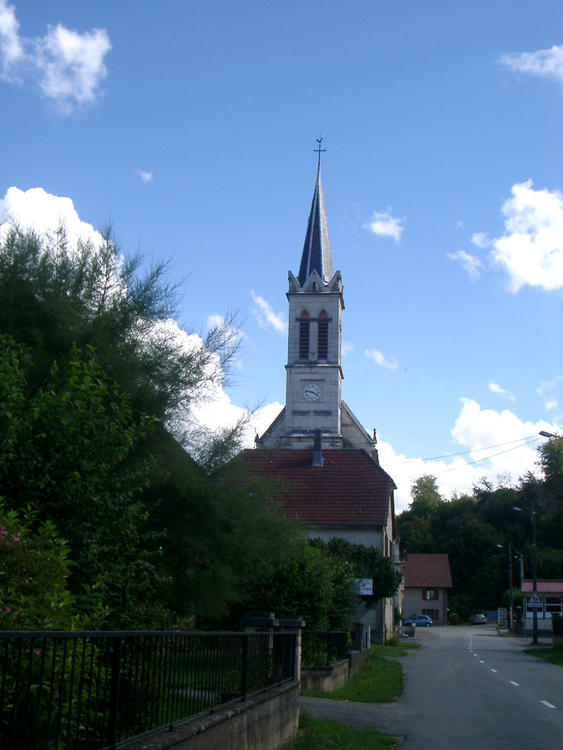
(316, 254)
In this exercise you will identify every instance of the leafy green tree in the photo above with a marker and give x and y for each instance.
(65, 454)
(304, 582)
(54, 297)
(34, 568)
(365, 562)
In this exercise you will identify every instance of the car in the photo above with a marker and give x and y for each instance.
(479, 619)
(421, 621)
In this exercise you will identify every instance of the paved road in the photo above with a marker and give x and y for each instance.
(467, 688)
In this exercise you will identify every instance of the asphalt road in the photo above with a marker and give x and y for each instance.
(466, 688)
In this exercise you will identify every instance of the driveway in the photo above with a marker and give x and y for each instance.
(466, 688)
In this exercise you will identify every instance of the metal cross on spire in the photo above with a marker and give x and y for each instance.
(319, 150)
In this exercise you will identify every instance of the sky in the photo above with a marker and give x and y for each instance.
(191, 127)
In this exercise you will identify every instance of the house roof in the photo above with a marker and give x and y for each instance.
(316, 254)
(543, 587)
(422, 570)
(349, 488)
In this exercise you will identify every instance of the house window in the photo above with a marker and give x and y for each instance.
(323, 336)
(304, 335)
(552, 606)
(430, 594)
(433, 613)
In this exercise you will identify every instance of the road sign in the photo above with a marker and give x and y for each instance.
(534, 602)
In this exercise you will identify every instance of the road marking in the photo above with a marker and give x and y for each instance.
(481, 661)
(548, 704)
(516, 684)
(494, 670)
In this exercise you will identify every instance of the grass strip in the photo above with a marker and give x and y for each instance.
(325, 734)
(554, 655)
(378, 681)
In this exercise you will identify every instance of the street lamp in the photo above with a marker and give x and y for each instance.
(534, 571)
(510, 549)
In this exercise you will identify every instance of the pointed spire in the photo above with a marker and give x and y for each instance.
(316, 249)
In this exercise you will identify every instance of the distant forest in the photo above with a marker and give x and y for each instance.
(470, 528)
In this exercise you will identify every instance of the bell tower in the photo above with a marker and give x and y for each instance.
(314, 367)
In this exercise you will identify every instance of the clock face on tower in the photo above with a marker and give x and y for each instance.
(311, 392)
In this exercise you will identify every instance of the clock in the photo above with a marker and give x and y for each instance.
(311, 392)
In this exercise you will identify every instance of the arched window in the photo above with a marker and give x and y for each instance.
(304, 335)
(322, 349)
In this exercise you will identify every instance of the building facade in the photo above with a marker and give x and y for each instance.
(327, 462)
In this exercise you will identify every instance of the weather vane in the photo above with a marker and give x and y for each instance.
(319, 150)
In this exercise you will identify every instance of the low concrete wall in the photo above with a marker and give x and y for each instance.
(325, 678)
(264, 722)
(357, 658)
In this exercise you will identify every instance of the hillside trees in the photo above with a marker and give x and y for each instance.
(470, 529)
(97, 385)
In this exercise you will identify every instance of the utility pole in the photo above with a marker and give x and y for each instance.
(534, 574)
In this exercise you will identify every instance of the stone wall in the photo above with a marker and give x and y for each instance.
(266, 721)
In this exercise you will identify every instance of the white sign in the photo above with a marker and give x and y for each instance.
(534, 602)
(365, 586)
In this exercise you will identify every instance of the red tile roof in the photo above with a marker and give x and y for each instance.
(423, 570)
(349, 488)
(543, 587)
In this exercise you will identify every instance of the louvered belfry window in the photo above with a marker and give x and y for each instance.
(304, 335)
(323, 336)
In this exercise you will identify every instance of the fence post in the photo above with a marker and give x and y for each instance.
(114, 689)
(244, 685)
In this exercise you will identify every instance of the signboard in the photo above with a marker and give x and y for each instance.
(534, 602)
(365, 586)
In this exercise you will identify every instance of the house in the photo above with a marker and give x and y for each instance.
(427, 580)
(325, 461)
(550, 596)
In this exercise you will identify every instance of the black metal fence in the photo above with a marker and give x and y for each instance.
(94, 690)
(324, 647)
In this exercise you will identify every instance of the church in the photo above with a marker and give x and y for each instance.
(316, 446)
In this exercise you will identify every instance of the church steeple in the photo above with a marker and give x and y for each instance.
(316, 254)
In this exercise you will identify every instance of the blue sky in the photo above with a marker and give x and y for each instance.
(191, 126)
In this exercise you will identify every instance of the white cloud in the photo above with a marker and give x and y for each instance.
(66, 65)
(380, 359)
(531, 250)
(385, 225)
(347, 348)
(266, 316)
(496, 388)
(145, 176)
(498, 444)
(552, 393)
(480, 239)
(471, 264)
(44, 213)
(547, 63)
(11, 48)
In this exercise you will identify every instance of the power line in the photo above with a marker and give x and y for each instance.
(528, 439)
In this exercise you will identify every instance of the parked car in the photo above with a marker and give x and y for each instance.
(422, 621)
(479, 619)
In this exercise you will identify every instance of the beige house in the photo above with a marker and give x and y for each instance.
(427, 580)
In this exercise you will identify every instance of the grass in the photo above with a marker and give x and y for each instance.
(554, 655)
(330, 735)
(378, 681)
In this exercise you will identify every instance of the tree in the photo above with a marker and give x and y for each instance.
(97, 391)
(66, 455)
(304, 582)
(54, 296)
(365, 562)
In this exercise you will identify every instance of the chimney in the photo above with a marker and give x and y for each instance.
(317, 449)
